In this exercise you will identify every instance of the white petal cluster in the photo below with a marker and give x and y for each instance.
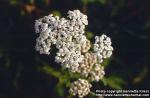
(70, 56)
(43, 44)
(96, 73)
(81, 88)
(47, 29)
(102, 47)
(87, 64)
(67, 34)
(90, 69)
(78, 17)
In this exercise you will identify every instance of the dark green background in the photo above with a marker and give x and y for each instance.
(127, 22)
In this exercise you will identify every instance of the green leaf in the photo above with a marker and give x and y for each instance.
(104, 81)
(89, 35)
(92, 94)
(13, 2)
(8, 62)
(141, 75)
(94, 1)
(31, 1)
(106, 62)
(147, 25)
(88, 1)
(56, 13)
(115, 82)
(102, 1)
(49, 70)
(60, 89)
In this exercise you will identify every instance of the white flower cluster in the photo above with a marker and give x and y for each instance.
(87, 65)
(80, 87)
(102, 47)
(67, 34)
(97, 73)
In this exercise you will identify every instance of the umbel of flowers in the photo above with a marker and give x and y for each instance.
(74, 49)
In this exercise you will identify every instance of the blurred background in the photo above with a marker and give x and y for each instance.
(24, 73)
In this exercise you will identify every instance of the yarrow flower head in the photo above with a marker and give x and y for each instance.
(87, 64)
(102, 47)
(68, 36)
(96, 73)
(80, 87)
(74, 49)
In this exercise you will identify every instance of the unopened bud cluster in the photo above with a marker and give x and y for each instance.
(74, 54)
